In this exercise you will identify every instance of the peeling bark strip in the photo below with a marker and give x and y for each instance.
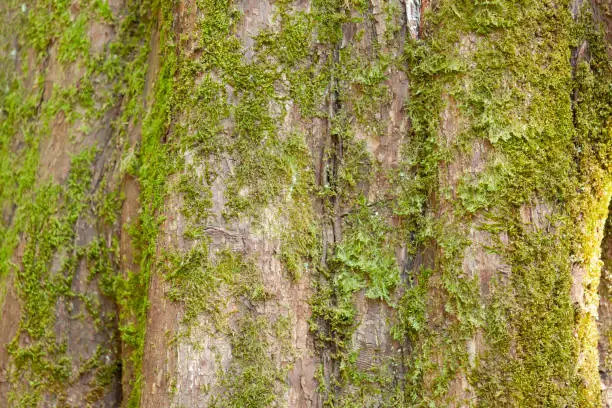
(322, 203)
(413, 17)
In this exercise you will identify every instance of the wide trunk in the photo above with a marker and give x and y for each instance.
(326, 203)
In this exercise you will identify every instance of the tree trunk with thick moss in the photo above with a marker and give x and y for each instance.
(327, 203)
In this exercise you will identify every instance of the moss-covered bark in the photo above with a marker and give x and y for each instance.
(327, 203)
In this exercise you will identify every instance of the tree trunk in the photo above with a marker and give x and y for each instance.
(327, 203)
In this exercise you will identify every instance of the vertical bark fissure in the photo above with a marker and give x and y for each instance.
(331, 171)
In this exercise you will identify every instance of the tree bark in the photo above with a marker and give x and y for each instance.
(327, 203)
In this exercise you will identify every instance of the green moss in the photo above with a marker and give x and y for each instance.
(252, 377)
(495, 69)
(503, 99)
(204, 286)
(197, 200)
(267, 165)
(335, 85)
(371, 387)
(108, 206)
(74, 41)
(49, 224)
(44, 280)
(102, 260)
(364, 259)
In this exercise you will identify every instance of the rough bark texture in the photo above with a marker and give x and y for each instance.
(326, 203)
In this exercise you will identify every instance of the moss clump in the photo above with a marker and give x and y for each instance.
(364, 259)
(205, 286)
(252, 377)
(196, 197)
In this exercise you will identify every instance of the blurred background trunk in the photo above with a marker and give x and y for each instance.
(327, 203)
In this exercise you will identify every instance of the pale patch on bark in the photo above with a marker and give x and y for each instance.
(413, 16)
(256, 15)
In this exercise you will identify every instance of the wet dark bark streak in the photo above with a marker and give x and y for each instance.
(331, 161)
(336, 154)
